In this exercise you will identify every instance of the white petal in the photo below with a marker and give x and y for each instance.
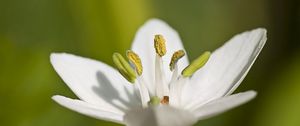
(95, 82)
(223, 104)
(226, 68)
(159, 116)
(89, 109)
(144, 46)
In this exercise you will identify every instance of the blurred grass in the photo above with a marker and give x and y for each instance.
(30, 30)
(279, 106)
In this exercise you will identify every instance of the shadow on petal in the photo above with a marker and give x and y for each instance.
(111, 95)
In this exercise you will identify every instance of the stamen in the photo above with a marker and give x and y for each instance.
(124, 67)
(165, 100)
(174, 83)
(176, 56)
(162, 88)
(173, 87)
(174, 75)
(143, 91)
(176, 91)
(160, 46)
(196, 64)
(136, 61)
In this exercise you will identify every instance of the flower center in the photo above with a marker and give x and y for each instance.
(166, 93)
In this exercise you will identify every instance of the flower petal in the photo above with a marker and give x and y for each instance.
(88, 109)
(159, 116)
(143, 45)
(226, 68)
(223, 104)
(95, 82)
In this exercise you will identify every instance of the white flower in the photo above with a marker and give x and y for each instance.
(160, 94)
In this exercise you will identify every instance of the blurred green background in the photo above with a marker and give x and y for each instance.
(31, 29)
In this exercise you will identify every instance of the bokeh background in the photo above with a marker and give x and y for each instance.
(31, 29)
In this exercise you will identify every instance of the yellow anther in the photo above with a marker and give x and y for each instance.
(136, 61)
(196, 64)
(160, 45)
(176, 56)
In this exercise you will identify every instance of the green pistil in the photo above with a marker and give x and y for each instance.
(154, 101)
